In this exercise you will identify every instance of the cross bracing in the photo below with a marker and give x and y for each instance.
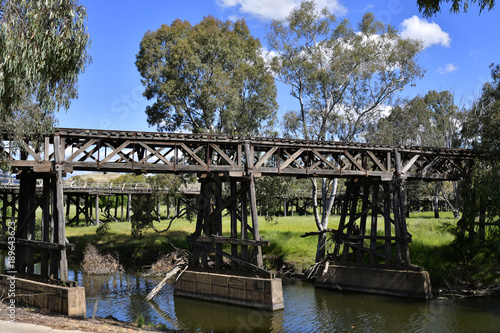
(153, 152)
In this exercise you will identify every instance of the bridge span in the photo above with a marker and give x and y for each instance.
(131, 151)
(376, 174)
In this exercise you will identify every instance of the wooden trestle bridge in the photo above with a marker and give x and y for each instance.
(375, 172)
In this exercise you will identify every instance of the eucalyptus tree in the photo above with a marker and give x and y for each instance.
(432, 120)
(43, 49)
(482, 129)
(429, 8)
(210, 77)
(477, 233)
(341, 78)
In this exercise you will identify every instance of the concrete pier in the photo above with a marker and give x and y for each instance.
(394, 282)
(69, 301)
(263, 293)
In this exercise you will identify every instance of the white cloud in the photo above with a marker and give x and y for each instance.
(268, 55)
(429, 33)
(277, 9)
(447, 69)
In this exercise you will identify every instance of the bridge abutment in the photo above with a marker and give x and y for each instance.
(67, 299)
(255, 292)
(377, 280)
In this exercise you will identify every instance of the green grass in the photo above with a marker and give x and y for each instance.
(283, 233)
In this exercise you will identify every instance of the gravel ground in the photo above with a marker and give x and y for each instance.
(58, 321)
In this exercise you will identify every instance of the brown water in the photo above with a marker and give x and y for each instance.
(306, 310)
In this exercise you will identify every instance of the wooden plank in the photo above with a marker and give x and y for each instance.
(82, 148)
(32, 153)
(115, 150)
(223, 154)
(387, 222)
(353, 160)
(324, 159)
(29, 243)
(192, 154)
(343, 215)
(430, 165)
(362, 223)
(373, 227)
(156, 153)
(266, 156)
(59, 199)
(397, 222)
(234, 221)
(291, 159)
(376, 161)
(410, 163)
(352, 214)
(229, 240)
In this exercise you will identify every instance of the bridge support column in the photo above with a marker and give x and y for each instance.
(51, 244)
(359, 248)
(129, 201)
(243, 265)
(97, 210)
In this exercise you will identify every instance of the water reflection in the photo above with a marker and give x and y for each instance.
(194, 314)
(306, 309)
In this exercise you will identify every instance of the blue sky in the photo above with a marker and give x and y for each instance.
(459, 49)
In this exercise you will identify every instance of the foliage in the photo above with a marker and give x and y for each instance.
(131, 178)
(432, 120)
(43, 49)
(140, 321)
(476, 234)
(271, 191)
(210, 78)
(102, 231)
(340, 76)
(429, 8)
(482, 128)
(145, 207)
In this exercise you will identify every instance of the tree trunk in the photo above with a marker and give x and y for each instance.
(456, 212)
(436, 207)
(322, 223)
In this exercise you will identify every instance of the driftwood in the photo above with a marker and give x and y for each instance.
(180, 257)
(160, 285)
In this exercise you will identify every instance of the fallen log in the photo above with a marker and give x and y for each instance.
(160, 285)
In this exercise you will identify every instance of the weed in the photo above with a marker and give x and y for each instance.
(140, 321)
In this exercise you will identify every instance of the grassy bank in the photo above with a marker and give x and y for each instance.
(429, 249)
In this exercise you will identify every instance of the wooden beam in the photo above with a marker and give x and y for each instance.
(39, 244)
(229, 240)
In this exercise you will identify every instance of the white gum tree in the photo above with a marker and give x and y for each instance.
(342, 78)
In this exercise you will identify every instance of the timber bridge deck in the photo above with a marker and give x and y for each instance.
(375, 173)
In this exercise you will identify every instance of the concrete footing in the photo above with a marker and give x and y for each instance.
(69, 301)
(263, 293)
(394, 282)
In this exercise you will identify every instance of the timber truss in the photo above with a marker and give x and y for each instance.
(125, 151)
(375, 172)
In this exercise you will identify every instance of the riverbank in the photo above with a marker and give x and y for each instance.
(289, 254)
(57, 321)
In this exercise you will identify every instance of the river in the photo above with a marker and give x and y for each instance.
(306, 310)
